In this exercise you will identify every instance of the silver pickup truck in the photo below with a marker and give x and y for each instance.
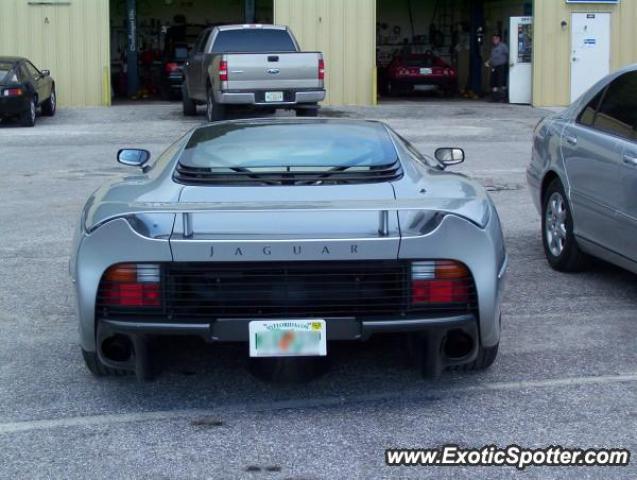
(256, 65)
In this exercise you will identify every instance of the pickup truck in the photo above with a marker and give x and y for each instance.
(251, 65)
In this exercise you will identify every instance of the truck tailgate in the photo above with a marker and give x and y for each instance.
(273, 71)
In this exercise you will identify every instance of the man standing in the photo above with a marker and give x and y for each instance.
(498, 62)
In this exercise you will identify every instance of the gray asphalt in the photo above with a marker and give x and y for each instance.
(566, 374)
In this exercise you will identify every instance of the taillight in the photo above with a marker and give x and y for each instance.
(321, 69)
(171, 67)
(12, 92)
(132, 285)
(439, 281)
(223, 71)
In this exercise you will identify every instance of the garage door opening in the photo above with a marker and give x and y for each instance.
(151, 40)
(437, 49)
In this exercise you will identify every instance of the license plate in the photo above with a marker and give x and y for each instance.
(273, 96)
(287, 338)
(426, 71)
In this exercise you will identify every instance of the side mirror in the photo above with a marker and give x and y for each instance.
(449, 156)
(133, 157)
(45, 73)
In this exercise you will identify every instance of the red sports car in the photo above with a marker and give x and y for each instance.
(405, 72)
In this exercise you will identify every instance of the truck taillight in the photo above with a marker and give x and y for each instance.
(131, 285)
(171, 67)
(321, 69)
(223, 71)
(439, 281)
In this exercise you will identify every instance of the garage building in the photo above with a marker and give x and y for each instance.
(86, 43)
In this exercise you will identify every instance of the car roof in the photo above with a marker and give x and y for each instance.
(11, 59)
(293, 121)
(247, 26)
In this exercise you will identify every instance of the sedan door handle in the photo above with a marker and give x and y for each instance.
(570, 140)
(630, 159)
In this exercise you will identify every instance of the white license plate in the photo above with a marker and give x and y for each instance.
(287, 338)
(273, 96)
(426, 71)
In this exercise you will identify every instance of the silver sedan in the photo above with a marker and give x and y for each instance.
(583, 176)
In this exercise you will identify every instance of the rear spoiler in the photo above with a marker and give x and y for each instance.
(474, 210)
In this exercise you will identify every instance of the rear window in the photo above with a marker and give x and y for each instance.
(418, 61)
(278, 147)
(254, 40)
(5, 68)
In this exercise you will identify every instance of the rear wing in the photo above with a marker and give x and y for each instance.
(474, 210)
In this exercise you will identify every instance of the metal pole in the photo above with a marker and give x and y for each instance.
(249, 7)
(132, 48)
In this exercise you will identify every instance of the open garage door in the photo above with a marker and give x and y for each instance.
(437, 49)
(151, 39)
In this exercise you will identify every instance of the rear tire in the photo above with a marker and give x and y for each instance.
(50, 105)
(215, 112)
(486, 357)
(560, 245)
(189, 106)
(27, 119)
(98, 369)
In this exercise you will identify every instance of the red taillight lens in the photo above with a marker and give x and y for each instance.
(131, 285)
(223, 71)
(171, 67)
(12, 92)
(321, 69)
(441, 281)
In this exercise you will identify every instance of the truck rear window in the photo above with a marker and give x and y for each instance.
(253, 40)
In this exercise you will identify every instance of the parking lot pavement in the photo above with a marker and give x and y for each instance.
(566, 374)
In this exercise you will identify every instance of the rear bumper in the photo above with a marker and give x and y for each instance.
(232, 97)
(13, 105)
(236, 329)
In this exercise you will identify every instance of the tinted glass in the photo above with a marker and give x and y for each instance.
(618, 111)
(34, 72)
(289, 145)
(253, 40)
(5, 68)
(587, 116)
(418, 61)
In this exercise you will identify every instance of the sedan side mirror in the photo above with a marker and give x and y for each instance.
(449, 156)
(45, 73)
(133, 157)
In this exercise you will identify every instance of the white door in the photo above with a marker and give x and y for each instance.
(590, 50)
(520, 56)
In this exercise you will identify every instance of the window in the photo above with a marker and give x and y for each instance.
(6, 70)
(587, 116)
(34, 72)
(253, 40)
(617, 113)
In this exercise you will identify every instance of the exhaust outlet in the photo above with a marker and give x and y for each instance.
(458, 344)
(117, 348)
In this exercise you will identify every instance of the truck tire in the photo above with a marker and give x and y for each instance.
(312, 111)
(50, 105)
(215, 112)
(98, 369)
(190, 108)
(27, 119)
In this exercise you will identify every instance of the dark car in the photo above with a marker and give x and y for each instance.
(405, 72)
(179, 42)
(24, 88)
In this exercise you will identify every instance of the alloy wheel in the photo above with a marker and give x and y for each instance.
(555, 223)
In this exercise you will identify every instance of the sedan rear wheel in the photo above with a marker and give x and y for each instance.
(28, 117)
(560, 245)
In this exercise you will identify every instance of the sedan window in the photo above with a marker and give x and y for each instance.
(6, 70)
(618, 112)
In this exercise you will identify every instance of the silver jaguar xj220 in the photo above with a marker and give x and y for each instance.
(287, 235)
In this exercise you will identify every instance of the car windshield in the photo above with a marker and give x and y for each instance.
(289, 146)
(253, 40)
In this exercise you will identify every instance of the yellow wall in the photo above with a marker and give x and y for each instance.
(70, 39)
(345, 31)
(552, 45)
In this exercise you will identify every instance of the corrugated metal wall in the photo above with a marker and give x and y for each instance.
(552, 45)
(345, 31)
(70, 38)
